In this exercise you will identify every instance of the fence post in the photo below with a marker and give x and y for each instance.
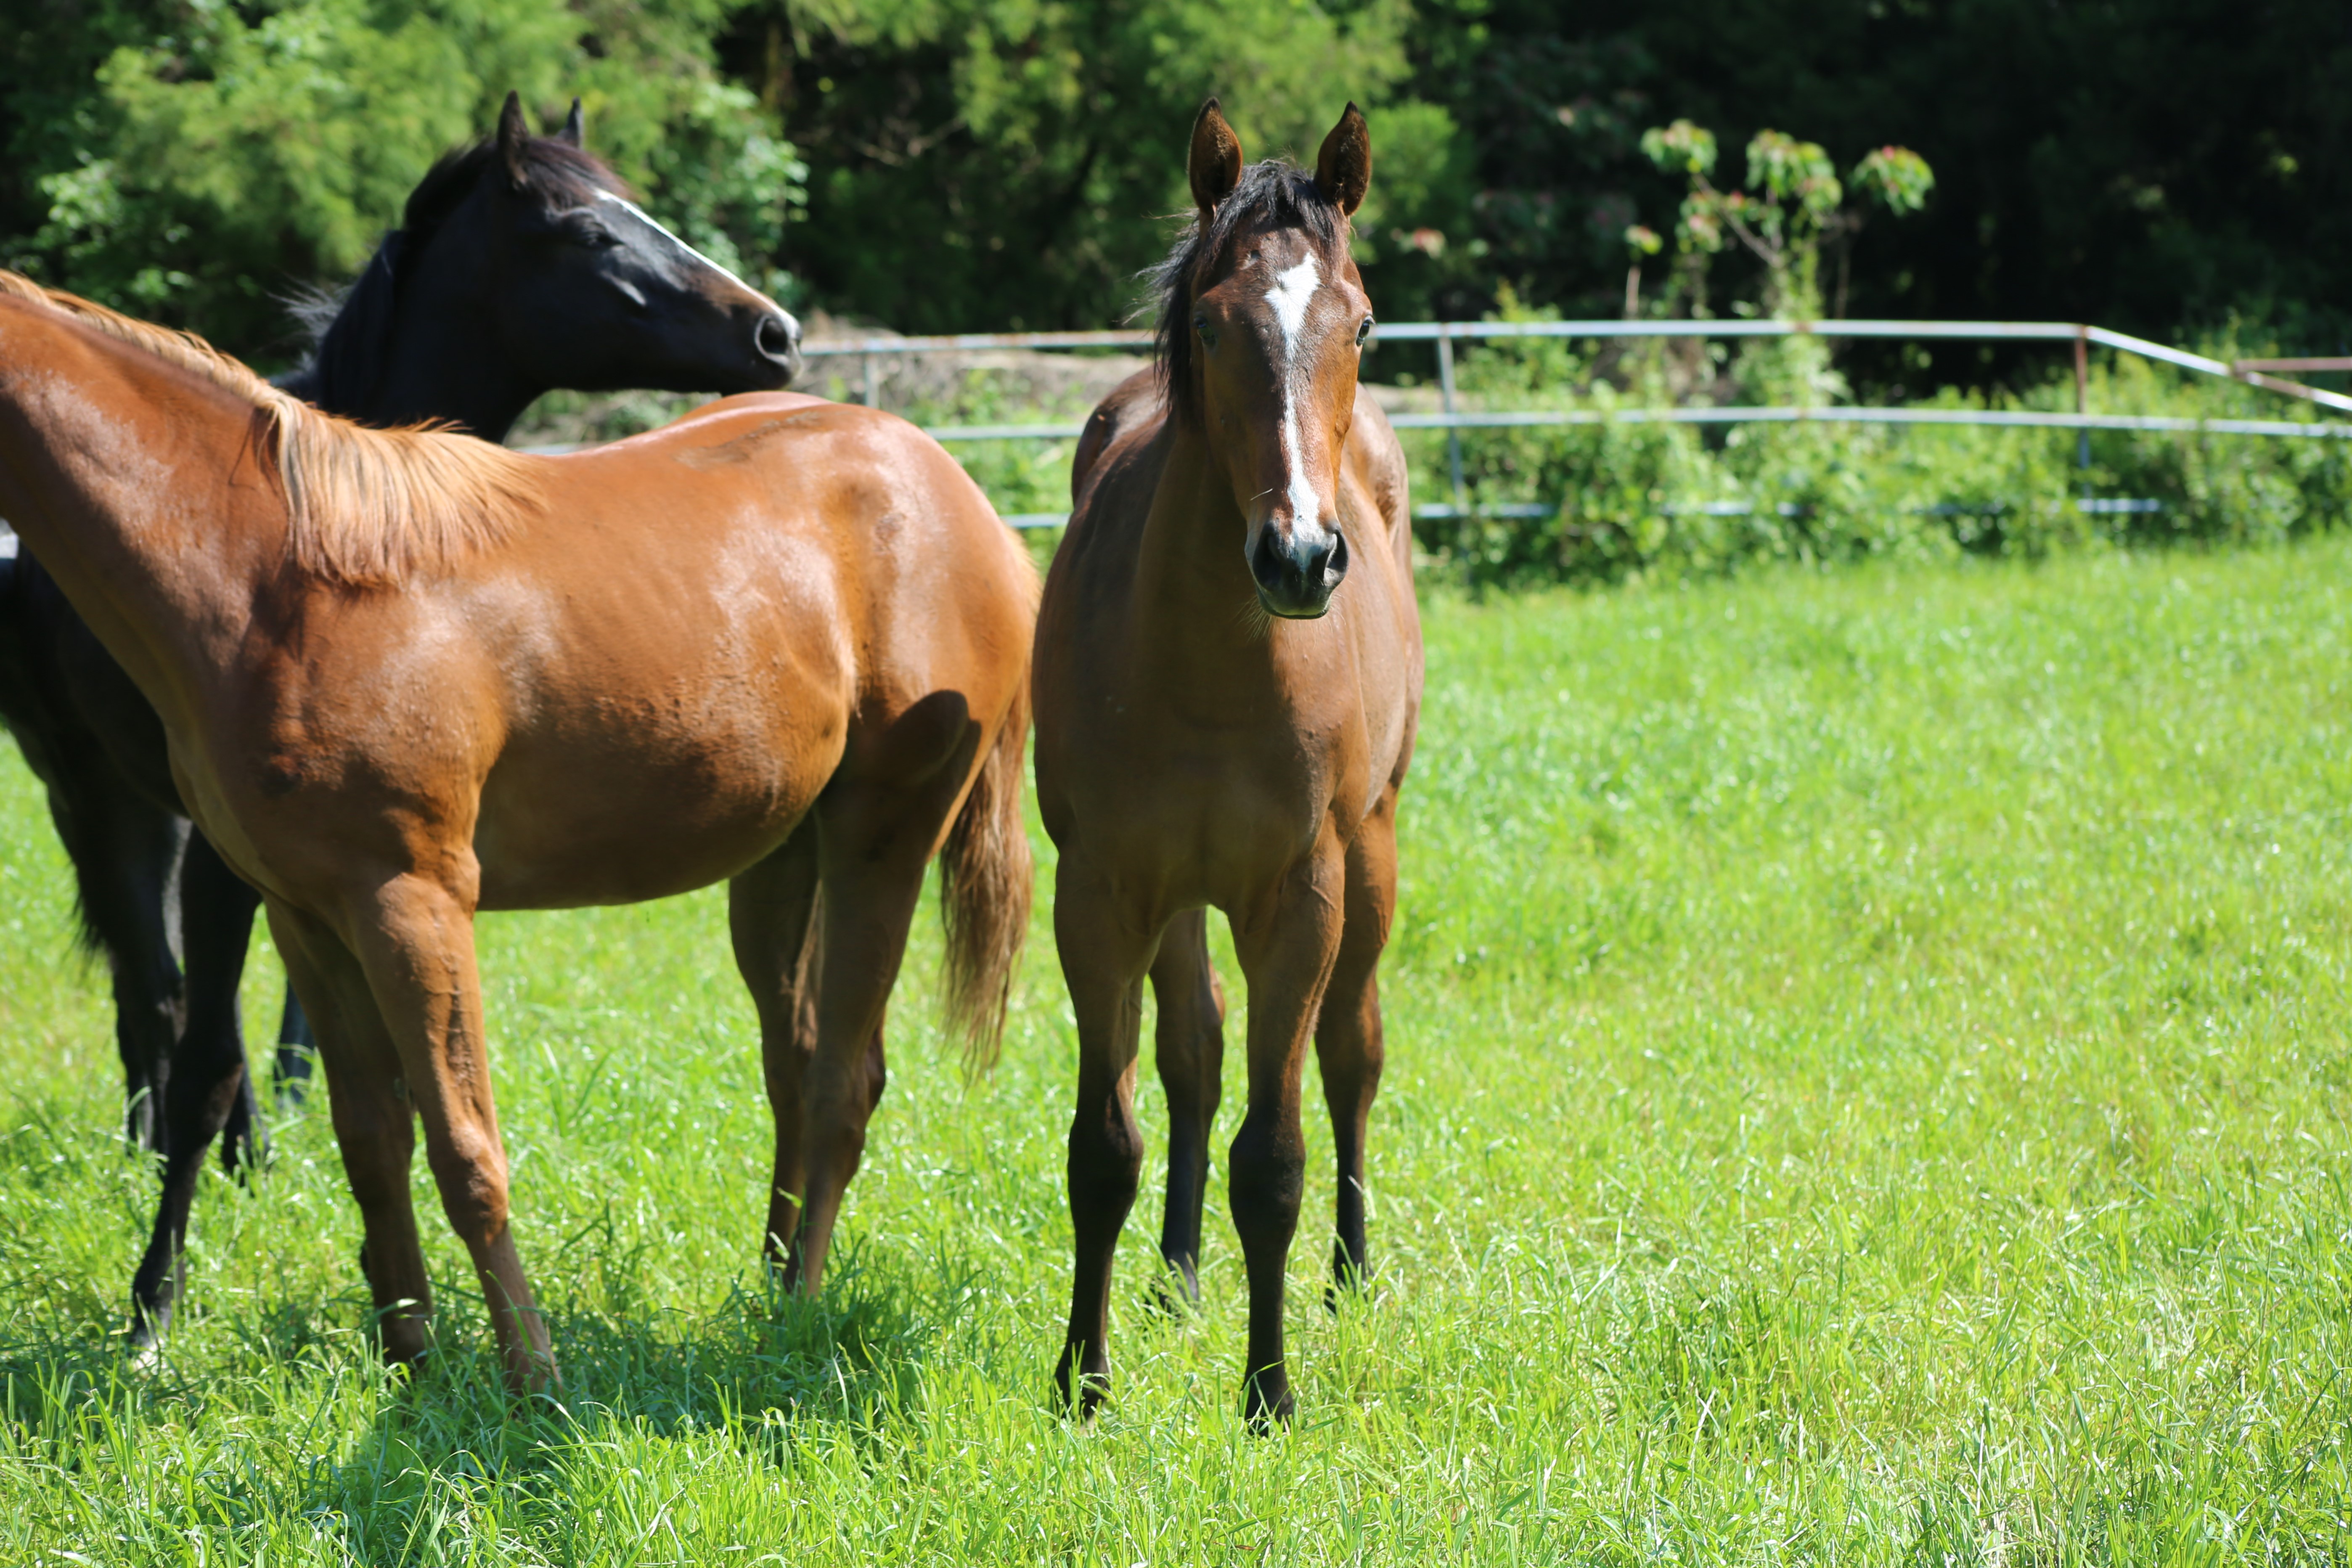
(2082, 393)
(869, 381)
(1452, 434)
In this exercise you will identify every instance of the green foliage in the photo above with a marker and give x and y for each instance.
(1000, 163)
(1867, 1081)
(1794, 205)
(232, 151)
(1896, 177)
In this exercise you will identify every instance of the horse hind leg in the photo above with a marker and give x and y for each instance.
(216, 910)
(1349, 1043)
(1189, 1047)
(878, 824)
(772, 920)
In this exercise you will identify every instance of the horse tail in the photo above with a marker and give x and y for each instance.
(985, 877)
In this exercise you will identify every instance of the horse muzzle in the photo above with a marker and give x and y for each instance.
(1296, 571)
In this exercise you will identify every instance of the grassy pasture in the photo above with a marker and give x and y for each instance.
(1868, 1083)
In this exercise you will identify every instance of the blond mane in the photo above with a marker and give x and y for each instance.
(364, 506)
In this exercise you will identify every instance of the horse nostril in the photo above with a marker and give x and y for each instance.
(777, 337)
(1267, 561)
(1335, 563)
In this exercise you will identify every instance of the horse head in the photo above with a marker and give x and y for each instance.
(523, 264)
(1264, 350)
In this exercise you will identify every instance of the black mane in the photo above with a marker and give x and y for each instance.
(354, 329)
(1275, 194)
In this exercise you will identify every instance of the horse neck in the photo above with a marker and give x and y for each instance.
(416, 340)
(1194, 603)
(135, 483)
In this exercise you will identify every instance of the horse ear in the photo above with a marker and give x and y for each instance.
(1343, 170)
(573, 130)
(1215, 166)
(512, 135)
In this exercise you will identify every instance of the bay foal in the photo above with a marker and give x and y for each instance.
(407, 675)
(1220, 721)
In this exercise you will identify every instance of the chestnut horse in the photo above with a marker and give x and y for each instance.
(520, 266)
(1220, 722)
(409, 675)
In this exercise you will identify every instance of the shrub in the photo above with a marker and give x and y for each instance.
(1611, 501)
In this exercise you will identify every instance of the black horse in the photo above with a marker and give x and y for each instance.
(521, 265)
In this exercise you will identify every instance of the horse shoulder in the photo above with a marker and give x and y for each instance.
(1390, 643)
(1377, 458)
(1135, 401)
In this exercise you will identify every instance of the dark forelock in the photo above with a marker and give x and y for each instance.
(564, 171)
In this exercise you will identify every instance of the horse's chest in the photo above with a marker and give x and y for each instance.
(1205, 813)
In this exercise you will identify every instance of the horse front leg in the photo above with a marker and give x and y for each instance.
(209, 1090)
(1349, 1042)
(1188, 1048)
(374, 1121)
(414, 936)
(126, 855)
(216, 909)
(1104, 955)
(1287, 945)
(298, 1042)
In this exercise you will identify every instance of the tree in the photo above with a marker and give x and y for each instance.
(2156, 165)
(216, 157)
(1007, 163)
(1796, 206)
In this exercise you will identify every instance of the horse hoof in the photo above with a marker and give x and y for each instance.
(1346, 1286)
(1176, 1294)
(1266, 1404)
(1081, 1393)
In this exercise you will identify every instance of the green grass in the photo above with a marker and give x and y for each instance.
(1868, 1084)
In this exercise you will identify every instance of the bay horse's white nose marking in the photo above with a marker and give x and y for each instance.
(1294, 289)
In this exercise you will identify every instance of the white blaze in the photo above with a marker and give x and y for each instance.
(1294, 289)
(1290, 295)
(655, 224)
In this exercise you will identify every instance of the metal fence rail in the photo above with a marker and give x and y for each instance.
(1837, 415)
(1446, 333)
(1453, 420)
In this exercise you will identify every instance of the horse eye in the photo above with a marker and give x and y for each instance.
(1364, 330)
(1208, 333)
(588, 234)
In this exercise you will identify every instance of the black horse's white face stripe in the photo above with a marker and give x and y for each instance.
(660, 240)
(664, 240)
